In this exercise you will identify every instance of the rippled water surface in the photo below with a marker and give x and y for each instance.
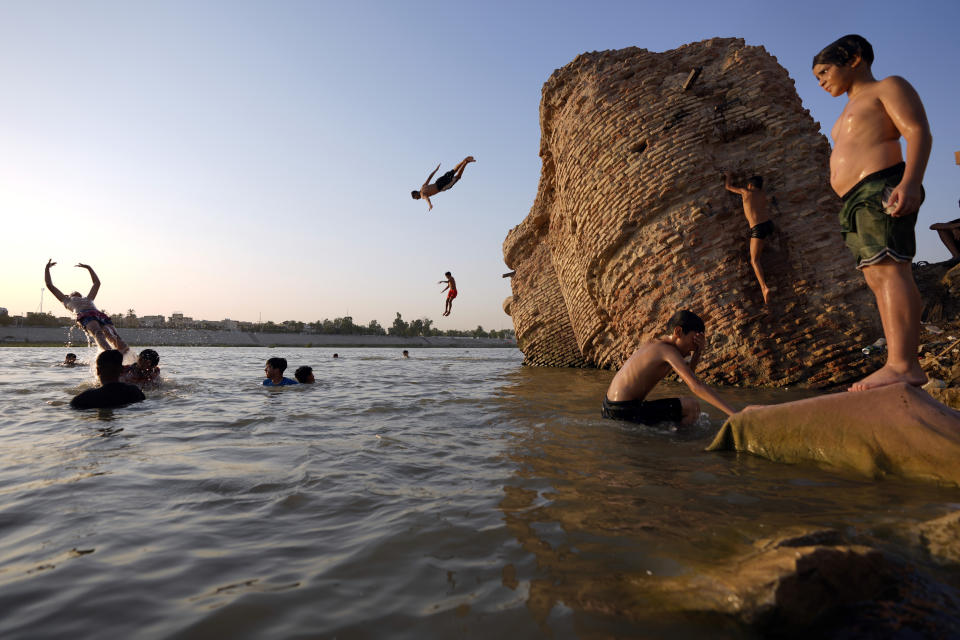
(455, 494)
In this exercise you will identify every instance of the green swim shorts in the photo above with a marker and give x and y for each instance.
(870, 233)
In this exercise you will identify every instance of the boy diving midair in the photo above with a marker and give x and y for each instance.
(96, 323)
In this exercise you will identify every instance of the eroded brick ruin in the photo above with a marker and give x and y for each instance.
(631, 221)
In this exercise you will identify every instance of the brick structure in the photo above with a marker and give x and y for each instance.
(631, 221)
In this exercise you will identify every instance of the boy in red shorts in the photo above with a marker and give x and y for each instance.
(452, 285)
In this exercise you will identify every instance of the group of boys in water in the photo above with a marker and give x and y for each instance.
(881, 193)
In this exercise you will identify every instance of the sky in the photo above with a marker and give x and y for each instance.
(254, 160)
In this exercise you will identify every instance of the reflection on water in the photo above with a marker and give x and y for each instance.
(610, 509)
(453, 494)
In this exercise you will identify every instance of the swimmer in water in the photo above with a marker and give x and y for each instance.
(304, 375)
(625, 398)
(96, 323)
(443, 183)
(70, 360)
(406, 354)
(144, 370)
(274, 373)
(111, 392)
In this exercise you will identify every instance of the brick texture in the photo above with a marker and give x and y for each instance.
(631, 221)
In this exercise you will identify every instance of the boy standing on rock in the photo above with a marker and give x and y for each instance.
(757, 210)
(881, 193)
(649, 364)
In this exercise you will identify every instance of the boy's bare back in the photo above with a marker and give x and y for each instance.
(642, 371)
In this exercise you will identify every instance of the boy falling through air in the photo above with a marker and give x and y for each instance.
(96, 323)
(648, 365)
(452, 285)
(757, 210)
(881, 193)
(443, 183)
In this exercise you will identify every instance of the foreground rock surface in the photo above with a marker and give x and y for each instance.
(816, 584)
(631, 220)
(895, 430)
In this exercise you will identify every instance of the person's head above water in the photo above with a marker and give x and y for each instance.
(275, 368)
(406, 354)
(304, 375)
(755, 181)
(109, 366)
(148, 359)
(841, 52)
(71, 358)
(335, 356)
(415, 194)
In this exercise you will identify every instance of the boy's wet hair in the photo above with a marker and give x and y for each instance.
(756, 181)
(150, 356)
(840, 52)
(302, 374)
(687, 321)
(71, 356)
(446, 273)
(110, 363)
(415, 194)
(278, 363)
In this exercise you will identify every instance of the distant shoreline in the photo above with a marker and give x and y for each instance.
(61, 336)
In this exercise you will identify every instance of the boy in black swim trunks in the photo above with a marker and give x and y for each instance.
(881, 192)
(648, 365)
(443, 183)
(757, 210)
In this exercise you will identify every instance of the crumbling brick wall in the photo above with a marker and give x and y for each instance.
(631, 220)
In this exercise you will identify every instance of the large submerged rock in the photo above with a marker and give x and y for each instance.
(631, 221)
(895, 430)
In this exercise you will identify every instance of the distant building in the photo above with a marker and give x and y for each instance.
(229, 325)
(180, 321)
(151, 321)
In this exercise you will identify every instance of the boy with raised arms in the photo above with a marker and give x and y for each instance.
(881, 192)
(649, 364)
(96, 323)
(757, 210)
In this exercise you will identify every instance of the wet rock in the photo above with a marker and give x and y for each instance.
(826, 589)
(895, 430)
(941, 538)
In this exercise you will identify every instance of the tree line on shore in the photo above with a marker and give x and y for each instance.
(338, 326)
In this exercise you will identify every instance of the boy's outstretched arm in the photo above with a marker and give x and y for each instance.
(96, 281)
(430, 177)
(903, 105)
(729, 185)
(699, 389)
(49, 282)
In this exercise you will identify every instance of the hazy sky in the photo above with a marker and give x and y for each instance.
(255, 159)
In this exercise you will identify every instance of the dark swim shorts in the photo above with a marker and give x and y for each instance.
(644, 411)
(85, 317)
(447, 180)
(872, 234)
(762, 230)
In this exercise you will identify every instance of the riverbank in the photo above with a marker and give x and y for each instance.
(71, 336)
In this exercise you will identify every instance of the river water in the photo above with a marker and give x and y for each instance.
(454, 494)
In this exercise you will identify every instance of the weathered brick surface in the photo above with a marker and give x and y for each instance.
(631, 221)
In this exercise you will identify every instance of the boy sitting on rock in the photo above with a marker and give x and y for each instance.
(649, 364)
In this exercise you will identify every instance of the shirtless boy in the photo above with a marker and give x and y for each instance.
(443, 183)
(648, 365)
(96, 323)
(757, 210)
(452, 285)
(881, 193)
(950, 237)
